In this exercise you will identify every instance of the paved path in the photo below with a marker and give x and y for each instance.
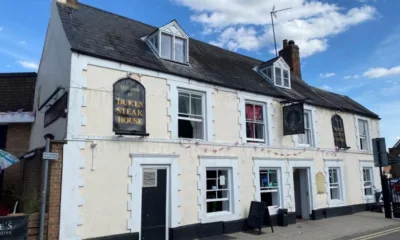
(339, 228)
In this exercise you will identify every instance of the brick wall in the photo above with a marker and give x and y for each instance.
(54, 190)
(17, 143)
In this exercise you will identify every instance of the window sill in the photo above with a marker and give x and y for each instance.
(369, 199)
(336, 203)
(305, 145)
(219, 216)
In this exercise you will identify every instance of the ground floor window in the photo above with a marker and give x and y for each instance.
(218, 196)
(334, 184)
(367, 179)
(269, 186)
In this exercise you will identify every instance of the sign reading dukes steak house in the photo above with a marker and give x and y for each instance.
(129, 108)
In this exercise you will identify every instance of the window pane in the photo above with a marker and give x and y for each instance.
(217, 206)
(264, 180)
(211, 195)
(335, 193)
(363, 144)
(183, 103)
(362, 125)
(211, 184)
(180, 49)
(223, 179)
(212, 174)
(190, 129)
(269, 72)
(368, 191)
(166, 46)
(285, 78)
(196, 105)
(222, 194)
(259, 131)
(270, 198)
(250, 112)
(278, 76)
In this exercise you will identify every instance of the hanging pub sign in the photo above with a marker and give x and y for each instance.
(293, 119)
(13, 227)
(129, 108)
(56, 110)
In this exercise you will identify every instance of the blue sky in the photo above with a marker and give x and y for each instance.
(347, 46)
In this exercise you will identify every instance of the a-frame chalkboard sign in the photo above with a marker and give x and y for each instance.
(256, 216)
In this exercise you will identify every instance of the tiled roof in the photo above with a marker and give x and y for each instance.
(17, 91)
(105, 35)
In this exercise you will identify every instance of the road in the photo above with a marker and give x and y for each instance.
(390, 234)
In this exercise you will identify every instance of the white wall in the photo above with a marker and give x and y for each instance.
(54, 71)
(98, 177)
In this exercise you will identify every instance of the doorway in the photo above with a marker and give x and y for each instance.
(302, 196)
(154, 204)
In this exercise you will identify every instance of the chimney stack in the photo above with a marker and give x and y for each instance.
(290, 52)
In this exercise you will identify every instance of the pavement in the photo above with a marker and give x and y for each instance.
(360, 226)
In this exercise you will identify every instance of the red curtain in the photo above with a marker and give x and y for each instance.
(253, 113)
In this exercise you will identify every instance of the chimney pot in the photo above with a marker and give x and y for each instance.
(285, 43)
(291, 42)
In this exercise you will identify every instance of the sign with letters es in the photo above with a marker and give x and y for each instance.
(293, 119)
(129, 108)
(13, 227)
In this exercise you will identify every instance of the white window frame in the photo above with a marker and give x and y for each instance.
(217, 162)
(335, 163)
(314, 132)
(165, 30)
(203, 109)
(367, 164)
(335, 185)
(369, 132)
(265, 130)
(173, 110)
(267, 111)
(280, 63)
(269, 163)
(228, 198)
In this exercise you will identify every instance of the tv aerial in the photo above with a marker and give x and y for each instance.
(273, 15)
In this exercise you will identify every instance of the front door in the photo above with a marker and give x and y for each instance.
(154, 195)
(302, 192)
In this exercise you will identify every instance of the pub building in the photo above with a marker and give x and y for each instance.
(168, 137)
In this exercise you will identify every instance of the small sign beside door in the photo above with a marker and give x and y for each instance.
(50, 156)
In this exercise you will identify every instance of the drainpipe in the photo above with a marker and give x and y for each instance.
(45, 174)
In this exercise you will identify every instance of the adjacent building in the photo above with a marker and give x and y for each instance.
(168, 137)
(16, 118)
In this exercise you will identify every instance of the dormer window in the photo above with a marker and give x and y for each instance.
(170, 42)
(276, 71)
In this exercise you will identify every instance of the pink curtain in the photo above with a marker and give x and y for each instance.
(253, 112)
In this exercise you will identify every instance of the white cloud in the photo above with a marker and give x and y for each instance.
(382, 72)
(327, 75)
(356, 76)
(28, 64)
(246, 24)
(23, 42)
(326, 87)
(1, 28)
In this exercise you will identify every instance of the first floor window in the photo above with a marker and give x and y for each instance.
(269, 187)
(255, 123)
(367, 179)
(218, 196)
(190, 115)
(307, 137)
(363, 134)
(334, 183)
